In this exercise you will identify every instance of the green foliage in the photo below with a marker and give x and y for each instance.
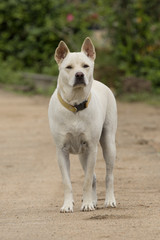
(106, 69)
(8, 76)
(134, 28)
(30, 31)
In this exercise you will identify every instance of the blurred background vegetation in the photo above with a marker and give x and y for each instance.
(126, 34)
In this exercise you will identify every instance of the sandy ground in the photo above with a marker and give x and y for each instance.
(31, 191)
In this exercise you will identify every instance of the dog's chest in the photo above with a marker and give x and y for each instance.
(75, 133)
(75, 143)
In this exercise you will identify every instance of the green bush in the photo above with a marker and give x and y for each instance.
(30, 31)
(106, 69)
(8, 76)
(134, 29)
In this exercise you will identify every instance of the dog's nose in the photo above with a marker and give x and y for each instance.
(79, 76)
(79, 79)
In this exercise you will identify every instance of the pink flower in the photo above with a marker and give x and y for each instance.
(70, 17)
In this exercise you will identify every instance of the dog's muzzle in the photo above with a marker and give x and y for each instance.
(79, 79)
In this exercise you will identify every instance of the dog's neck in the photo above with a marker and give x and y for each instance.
(74, 95)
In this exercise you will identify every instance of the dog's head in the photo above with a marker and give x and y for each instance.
(76, 69)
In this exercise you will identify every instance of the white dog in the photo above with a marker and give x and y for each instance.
(82, 112)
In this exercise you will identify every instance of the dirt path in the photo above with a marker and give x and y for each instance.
(31, 191)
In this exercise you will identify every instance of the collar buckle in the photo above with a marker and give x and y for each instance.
(81, 106)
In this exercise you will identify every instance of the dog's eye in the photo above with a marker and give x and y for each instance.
(69, 67)
(85, 66)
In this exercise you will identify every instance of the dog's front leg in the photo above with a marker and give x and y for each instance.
(64, 164)
(88, 204)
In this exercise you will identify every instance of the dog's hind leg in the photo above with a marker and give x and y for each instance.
(88, 166)
(107, 142)
(64, 164)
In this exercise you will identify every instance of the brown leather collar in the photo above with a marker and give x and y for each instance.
(77, 107)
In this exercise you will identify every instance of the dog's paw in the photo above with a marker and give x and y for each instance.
(95, 204)
(67, 207)
(110, 201)
(87, 206)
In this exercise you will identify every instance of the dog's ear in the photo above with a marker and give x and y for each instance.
(88, 48)
(61, 52)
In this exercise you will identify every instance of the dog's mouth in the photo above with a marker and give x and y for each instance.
(79, 84)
